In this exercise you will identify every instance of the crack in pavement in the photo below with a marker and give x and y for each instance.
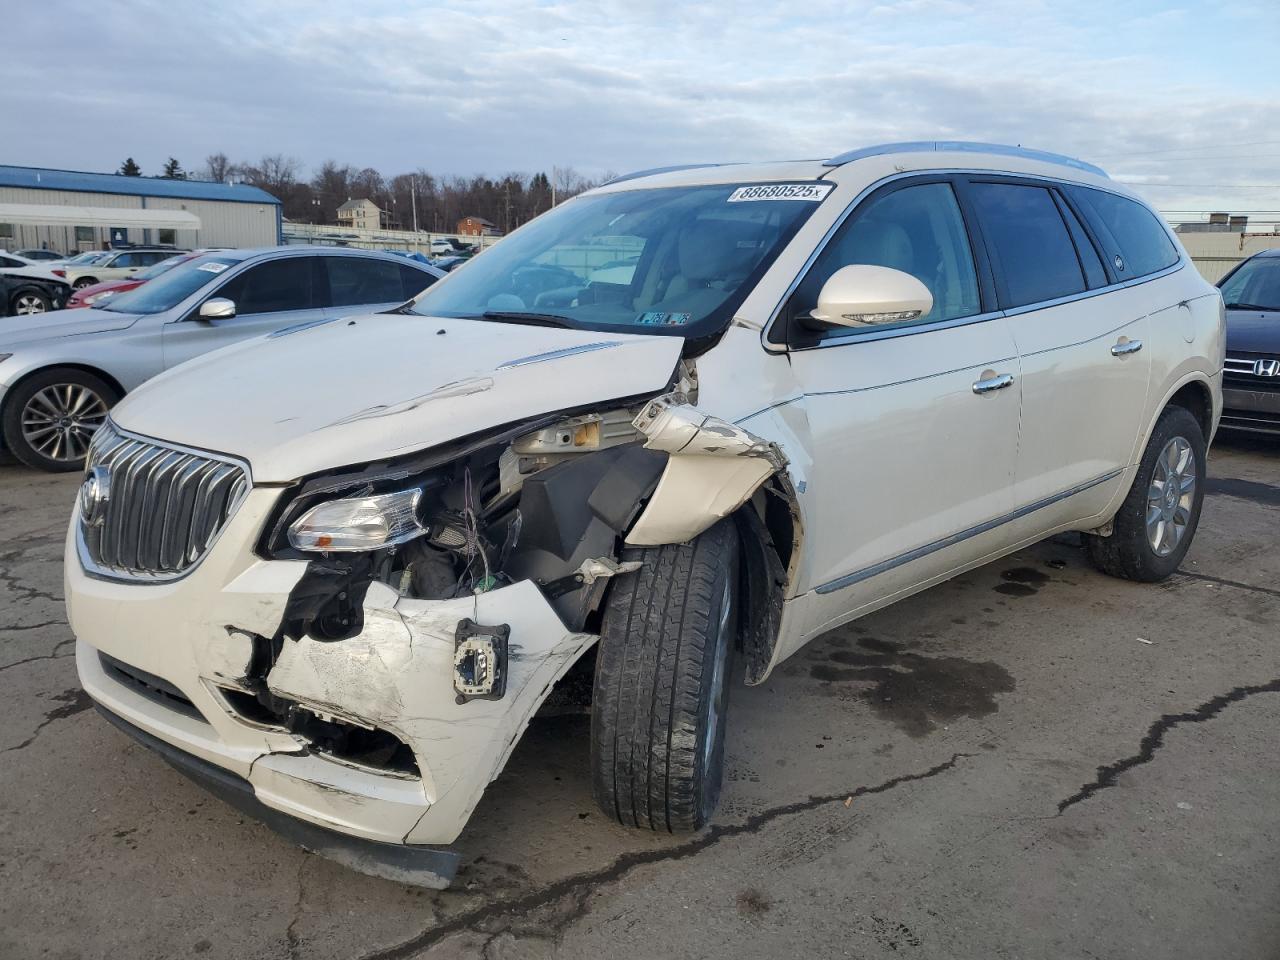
(33, 626)
(1154, 739)
(292, 940)
(73, 701)
(11, 582)
(1268, 591)
(581, 886)
(51, 655)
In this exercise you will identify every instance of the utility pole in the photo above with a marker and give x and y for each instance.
(413, 199)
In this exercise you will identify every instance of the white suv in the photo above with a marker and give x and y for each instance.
(334, 573)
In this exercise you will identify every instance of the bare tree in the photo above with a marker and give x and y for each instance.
(217, 167)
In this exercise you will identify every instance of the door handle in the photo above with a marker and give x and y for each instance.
(990, 384)
(1126, 347)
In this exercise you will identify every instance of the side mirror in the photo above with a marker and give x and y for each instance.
(217, 308)
(862, 295)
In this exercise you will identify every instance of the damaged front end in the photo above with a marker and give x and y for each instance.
(433, 601)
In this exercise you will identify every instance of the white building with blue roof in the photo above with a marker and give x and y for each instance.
(69, 211)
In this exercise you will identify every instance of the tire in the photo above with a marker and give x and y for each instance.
(661, 683)
(1131, 552)
(29, 301)
(72, 403)
(83, 282)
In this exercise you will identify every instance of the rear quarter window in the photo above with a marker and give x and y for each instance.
(1128, 230)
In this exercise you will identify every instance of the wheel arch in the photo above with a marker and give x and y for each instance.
(769, 533)
(88, 368)
(1196, 398)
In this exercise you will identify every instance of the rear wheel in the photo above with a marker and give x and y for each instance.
(83, 282)
(1157, 521)
(29, 301)
(50, 417)
(661, 684)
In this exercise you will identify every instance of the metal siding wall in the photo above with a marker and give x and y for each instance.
(222, 224)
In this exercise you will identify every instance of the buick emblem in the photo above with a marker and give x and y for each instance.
(94, 494)
(1266, 368)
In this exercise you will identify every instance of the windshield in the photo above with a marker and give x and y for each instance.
(1255, 286)
(171, 289)
(676, 260)
(164, 266)
(92, 257)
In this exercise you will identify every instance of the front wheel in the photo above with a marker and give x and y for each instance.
(83, 282)
(50, 417)
(661, 683)
(1156, 523)
(27, 302)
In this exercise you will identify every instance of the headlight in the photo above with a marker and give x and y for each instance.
(99, 296)
(358, 523)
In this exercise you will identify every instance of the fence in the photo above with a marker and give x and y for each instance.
(413, 241)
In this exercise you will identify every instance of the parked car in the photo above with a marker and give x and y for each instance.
(61, 372)
(12, 260)
(35, 253)
(23, 295)
(826, 386)
(94, 295)
(117, 265)
(448, 264)
(1251, 377)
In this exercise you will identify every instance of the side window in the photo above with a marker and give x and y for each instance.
(124, 260)
(413, 282)
(1138, 237)
(149, 259)
(917, 229)
(356, 280)
(1034, 258)
(271, 287)
(1094, 274)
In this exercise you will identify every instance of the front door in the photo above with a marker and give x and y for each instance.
(268, 297)
(914, 426)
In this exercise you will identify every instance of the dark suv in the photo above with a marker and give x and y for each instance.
(1251, 378)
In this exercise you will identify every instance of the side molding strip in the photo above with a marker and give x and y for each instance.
(884, 566)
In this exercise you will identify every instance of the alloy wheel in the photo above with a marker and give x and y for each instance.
(59, 421)
(1170, 496)
(28, 303)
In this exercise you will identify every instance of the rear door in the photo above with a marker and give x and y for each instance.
(1084, 375)
(369, 284)
(269, 296)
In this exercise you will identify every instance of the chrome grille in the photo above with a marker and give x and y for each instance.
(161, 506)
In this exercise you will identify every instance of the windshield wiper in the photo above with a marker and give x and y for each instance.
(1249, 306)
(539, 319)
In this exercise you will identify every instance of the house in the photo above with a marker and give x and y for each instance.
(362, 214)
(477, 227)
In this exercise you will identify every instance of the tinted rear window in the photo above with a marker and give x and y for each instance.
(1130, 230)
(1035, 259)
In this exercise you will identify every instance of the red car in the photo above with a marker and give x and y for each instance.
(88, 296)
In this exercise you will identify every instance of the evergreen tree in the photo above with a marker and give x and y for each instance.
(173, 170)
(130, 169)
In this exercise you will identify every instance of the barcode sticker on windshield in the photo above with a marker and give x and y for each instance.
(781, 191)
(212, 267)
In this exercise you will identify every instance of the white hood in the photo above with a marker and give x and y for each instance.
(364, 388)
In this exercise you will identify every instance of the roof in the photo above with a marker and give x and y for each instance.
(915, 155)
(480, 220)
(357, 204)
(36, 178)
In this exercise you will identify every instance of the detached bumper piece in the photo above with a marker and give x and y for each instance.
(419, 866)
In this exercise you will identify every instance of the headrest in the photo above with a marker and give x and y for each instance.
(716, 249)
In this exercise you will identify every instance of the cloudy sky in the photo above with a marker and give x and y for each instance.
(1182, 98)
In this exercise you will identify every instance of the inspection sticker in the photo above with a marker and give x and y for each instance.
(212, 267)
(781, 191)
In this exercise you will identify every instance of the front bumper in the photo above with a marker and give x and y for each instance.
(1257, 411)
(195, 634)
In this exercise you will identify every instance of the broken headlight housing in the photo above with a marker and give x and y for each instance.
(354, 524)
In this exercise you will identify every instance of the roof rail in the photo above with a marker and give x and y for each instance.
(656, 170)
(964, 146)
